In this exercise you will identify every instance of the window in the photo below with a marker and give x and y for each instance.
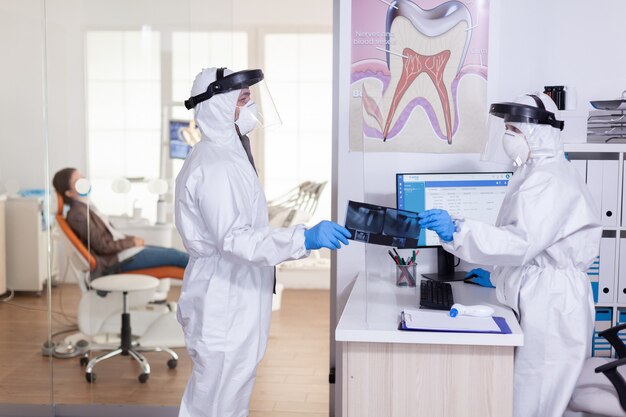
(123, 89)
(125, 107)
(193, 51)
(298, 68)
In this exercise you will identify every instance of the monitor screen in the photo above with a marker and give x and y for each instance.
(179, 148)
(476, 195)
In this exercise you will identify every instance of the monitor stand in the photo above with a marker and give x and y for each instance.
(445, 268)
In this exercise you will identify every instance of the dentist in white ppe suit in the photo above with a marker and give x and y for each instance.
(546, 236)
(221, 214)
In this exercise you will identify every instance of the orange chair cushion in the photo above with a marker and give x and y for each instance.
(175, 272)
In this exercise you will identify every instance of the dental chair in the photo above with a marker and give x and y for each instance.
(601, 387)
(154, 326)
(295, 206)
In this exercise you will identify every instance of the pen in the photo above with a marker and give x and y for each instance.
(400, 259)
(392, 257)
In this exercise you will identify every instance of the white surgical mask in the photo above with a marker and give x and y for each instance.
(516, 147)
(83, 188)
(248, 118)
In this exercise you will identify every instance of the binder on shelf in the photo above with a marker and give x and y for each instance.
(624, 196)
(594, 273)
(594, 182)
(599, 345)
(602, 179)
(610, 192)
(621, 275)
(606, 280)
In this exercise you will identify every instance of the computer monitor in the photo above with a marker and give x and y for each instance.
(476, 195)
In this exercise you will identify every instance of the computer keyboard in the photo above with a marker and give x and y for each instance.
(436, 295)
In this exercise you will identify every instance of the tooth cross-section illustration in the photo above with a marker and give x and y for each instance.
(427, 52)
(414, 65)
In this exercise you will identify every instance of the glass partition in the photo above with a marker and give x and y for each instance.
(27, 270)
(118, 73)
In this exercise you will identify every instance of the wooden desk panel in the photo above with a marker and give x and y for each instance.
(411, 380)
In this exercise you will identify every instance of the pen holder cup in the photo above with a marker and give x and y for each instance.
(406, 275)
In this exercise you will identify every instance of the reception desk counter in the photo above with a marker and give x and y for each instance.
(388, 372)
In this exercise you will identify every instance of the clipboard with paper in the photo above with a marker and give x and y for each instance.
(440, 321)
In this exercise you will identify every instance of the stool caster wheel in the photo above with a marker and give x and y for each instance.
(84, 361)
(91, 377)
(172, 363)
(143, 378)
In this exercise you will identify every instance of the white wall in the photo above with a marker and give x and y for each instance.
(561, 42)
(531, 44)
(21, 97)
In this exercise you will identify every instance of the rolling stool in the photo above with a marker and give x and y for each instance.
(126, 283)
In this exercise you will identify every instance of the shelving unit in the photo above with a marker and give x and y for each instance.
(602, 165)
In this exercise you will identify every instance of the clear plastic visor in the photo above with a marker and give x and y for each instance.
(259, 100)
(494, 148)
(494, 152)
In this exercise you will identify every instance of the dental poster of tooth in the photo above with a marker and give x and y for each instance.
(419, 76)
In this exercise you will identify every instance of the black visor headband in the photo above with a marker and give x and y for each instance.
(522, 113)
(234, 81)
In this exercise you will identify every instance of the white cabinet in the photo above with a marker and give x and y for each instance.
(603, 167)
(26, 244)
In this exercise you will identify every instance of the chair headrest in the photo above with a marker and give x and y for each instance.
(71, 236)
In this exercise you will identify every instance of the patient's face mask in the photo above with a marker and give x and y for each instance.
(516, 147)
(248, 118)
(83, 188)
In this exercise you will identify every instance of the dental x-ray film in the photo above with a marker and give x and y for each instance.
(382, 225)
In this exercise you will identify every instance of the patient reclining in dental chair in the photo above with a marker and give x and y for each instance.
(113, 251)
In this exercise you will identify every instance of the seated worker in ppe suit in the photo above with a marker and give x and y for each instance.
(546, 236)
(221, 214)
(114, 251)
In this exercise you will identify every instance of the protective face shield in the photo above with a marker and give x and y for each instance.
(523, 120)
(255, 106)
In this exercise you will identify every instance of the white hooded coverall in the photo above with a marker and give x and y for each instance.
(226, 297)
(546, 236)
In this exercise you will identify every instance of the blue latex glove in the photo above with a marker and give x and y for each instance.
(326, 234)
(440, 222)
(481, 277)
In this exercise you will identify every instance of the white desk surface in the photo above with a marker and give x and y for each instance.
(375, 317)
